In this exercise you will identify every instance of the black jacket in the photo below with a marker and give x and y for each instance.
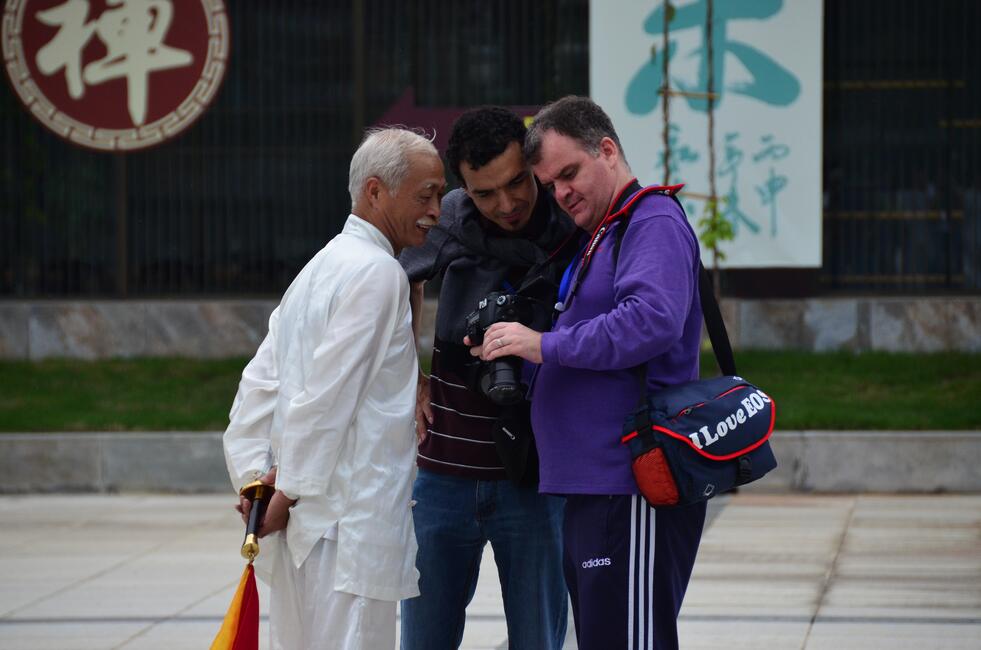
(475, 257)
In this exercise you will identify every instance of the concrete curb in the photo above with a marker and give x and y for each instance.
(187, 462)
(875, 461)
(113, 462)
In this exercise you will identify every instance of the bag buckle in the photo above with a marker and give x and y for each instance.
(642, 421)
(745, 469)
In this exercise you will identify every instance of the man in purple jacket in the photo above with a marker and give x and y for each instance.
(623, 313)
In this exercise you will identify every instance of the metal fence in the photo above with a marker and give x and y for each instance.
(243, 199)
(239, 203)
(902, 145)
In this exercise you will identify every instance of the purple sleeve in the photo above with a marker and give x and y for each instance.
(653, 290)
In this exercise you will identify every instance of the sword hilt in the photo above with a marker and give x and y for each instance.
(258, 493)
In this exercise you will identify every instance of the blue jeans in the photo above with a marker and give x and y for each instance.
(454, 519)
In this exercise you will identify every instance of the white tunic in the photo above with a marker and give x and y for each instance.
(330, 399)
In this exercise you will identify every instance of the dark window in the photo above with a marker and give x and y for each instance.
(239, 202)
(902, 145)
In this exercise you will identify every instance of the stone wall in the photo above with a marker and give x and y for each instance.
(223, 328)
(857, 324)
(102, 329)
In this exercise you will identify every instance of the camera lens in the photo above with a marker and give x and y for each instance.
(501, 381)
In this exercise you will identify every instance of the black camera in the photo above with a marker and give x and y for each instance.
(500, 380)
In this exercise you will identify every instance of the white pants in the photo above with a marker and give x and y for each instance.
(305, 613)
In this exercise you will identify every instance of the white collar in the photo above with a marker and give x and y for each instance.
(360, 228)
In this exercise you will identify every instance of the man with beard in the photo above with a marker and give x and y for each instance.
(496, 234)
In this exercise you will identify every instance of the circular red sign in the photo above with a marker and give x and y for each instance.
(115, 74)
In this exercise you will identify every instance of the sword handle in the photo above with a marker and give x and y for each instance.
(259, 494)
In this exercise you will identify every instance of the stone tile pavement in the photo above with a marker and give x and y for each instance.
(774, 571)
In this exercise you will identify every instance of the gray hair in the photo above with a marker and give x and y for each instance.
(579, 118)
(384, 153)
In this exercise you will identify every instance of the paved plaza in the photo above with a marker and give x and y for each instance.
(774, 571)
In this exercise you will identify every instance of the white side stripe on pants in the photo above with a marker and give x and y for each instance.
(650, 573)
(630, 573)
(640, 597)
(643, 594)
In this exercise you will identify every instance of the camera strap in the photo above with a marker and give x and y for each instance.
(567, 289)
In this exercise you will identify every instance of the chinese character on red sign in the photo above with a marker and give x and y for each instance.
(116, 74)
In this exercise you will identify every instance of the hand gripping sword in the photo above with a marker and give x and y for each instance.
(259, 494)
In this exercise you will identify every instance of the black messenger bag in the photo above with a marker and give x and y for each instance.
(692, 441)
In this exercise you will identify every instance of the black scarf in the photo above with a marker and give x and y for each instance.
(484, 256)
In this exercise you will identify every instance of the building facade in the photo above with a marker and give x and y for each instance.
(234, 206)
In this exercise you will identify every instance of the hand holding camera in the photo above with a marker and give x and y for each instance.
(499, 327)
(509, 339)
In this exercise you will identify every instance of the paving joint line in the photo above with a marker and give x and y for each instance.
(176, 615)
(56, 592)
(691, 618)
(832, 570)
(97, 574)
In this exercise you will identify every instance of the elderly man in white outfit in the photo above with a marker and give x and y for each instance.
(325, 412)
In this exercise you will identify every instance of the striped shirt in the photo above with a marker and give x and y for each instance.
(459, 441)
(473, 258)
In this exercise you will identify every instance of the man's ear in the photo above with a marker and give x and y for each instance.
(608, 150)
(372, 189)
(463, 180)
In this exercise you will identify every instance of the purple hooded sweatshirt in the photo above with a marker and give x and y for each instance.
(642, 309)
